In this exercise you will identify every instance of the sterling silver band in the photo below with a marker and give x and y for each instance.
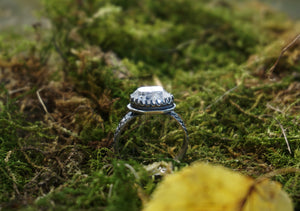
(132, 115)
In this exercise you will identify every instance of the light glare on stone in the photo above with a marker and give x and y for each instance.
(150, 89)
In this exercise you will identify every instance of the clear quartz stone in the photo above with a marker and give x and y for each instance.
(151, 92)
(150, 96)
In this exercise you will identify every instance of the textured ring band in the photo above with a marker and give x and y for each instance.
(151, 100)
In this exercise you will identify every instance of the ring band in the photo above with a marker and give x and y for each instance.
(151, 100)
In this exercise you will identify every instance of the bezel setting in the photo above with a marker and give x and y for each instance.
(151, 99)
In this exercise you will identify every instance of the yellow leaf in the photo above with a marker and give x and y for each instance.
(207, 187)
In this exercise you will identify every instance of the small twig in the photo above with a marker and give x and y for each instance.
(18, 90)
(132, 171)
(42, 102)
(273, 108)
(40, 99)
(283, 132)
(285, 137)
(142, 195)
(53, 123)
(221, 97)
(110, 190)
(270, 71)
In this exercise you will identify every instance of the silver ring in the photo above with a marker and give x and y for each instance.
(151, 100)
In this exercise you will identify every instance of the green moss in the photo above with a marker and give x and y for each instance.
(17, 161)
(157, 34)
(111, 188)
(212, 56)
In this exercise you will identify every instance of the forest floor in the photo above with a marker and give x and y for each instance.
(233, 69)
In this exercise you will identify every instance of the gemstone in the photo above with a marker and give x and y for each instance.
(151, 98)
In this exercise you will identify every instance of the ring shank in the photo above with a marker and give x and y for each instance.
(132, 115)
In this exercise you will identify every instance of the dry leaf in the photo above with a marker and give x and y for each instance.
(207, 187)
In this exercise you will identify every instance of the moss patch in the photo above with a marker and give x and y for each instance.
(64, 90)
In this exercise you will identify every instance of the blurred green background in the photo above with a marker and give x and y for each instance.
(15, 13)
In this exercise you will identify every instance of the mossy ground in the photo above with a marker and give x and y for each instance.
(64, 90)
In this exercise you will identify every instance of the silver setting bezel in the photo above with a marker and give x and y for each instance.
(151, 99)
